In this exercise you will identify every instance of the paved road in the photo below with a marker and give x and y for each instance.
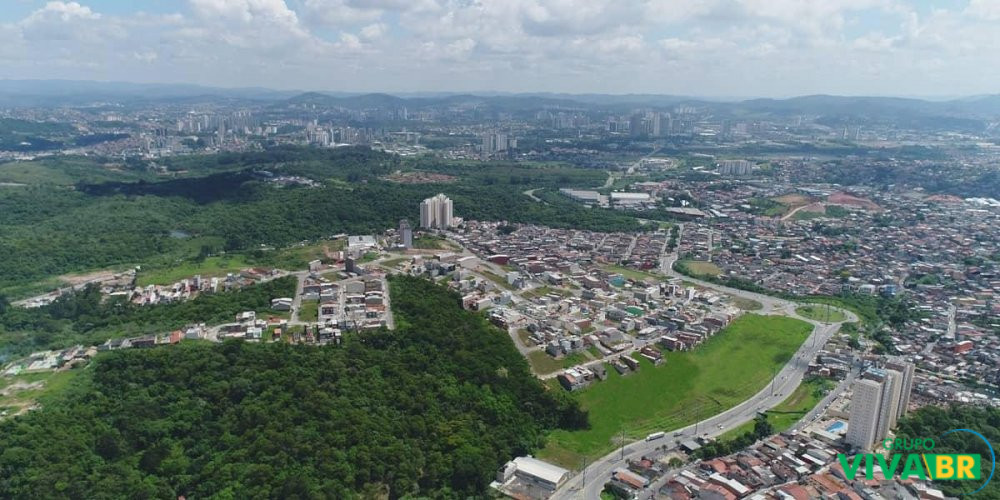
(784, 382)
(770, 396)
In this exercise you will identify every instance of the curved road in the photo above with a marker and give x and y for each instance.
(599, 472)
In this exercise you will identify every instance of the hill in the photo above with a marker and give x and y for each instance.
(432, 409)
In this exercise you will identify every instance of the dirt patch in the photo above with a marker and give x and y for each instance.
(793, 199)
(16, 387)
(79, 279)
(420, 178)
(848, 199)
(814, 207)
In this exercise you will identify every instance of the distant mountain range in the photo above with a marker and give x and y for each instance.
(969, 112)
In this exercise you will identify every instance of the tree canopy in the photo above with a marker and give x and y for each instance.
(431, 409)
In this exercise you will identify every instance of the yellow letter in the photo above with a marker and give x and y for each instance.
(944, 467)
(964, 468)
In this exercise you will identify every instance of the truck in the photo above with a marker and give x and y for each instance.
(654, 436)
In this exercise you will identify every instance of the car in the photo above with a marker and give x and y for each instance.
(721, 426)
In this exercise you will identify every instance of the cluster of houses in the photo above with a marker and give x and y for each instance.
(189, 288)
(787, 466)
(44, 361)
(563, 291)
(932, 249)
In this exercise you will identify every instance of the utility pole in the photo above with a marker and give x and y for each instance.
(774, 379)
(584, 473)
(623, 443)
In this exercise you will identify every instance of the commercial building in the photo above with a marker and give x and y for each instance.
(535, 471)
(436, 212)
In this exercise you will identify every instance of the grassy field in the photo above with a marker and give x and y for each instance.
(499, 280)
(545, 290)
(53, 384)
(690, 386)
(633, 274)
(543, 364)
(431, 242)
(395, 262)
(525, 337)
(782, 417)
(747, 304)
(292, 258)
(211, 266)
(820, 313)
(702, 268)
(309, 311)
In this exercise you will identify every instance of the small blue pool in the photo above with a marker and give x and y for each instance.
(836, 426)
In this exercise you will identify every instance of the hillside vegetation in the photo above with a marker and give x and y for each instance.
(431, 409)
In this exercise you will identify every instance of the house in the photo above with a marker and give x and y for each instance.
(281, 304)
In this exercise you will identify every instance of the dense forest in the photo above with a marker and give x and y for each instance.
(50, 229)
(84, 317)
(931, 422)
(431, 409)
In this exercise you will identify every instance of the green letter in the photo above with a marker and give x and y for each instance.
(888, 470)
(850, 471)
(914, 467)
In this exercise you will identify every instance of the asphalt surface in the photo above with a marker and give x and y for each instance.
(588, 483)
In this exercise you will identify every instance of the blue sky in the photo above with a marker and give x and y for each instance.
(690, 47)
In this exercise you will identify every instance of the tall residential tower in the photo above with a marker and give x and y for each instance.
(880, 398)
(436, 212)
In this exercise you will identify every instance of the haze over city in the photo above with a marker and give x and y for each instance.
(707, 48)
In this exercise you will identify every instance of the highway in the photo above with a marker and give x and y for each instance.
(589, 483)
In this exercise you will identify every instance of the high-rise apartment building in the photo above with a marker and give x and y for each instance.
(405, 234)
(735, 167)
(880, 398)
(862, 428)
(436, 212)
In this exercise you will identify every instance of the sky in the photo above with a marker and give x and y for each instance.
(707, 48)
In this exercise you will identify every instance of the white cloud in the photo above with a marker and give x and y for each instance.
(373, 31)
(675, 46)
(983, 10)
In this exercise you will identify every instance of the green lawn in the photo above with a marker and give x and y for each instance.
(309, 311)
(633, 274)
(525, 337)
(574, 359)
(211, 266)
(391, 263)
(747, 304)
(499, 280)
(432, 242)
(782, 417)
(690, 386)
(701, 267)
(54, 384)
(545, 290)
(291, 258)
(821, 313)
(543, 364)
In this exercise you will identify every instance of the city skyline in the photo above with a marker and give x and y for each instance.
(721, 48)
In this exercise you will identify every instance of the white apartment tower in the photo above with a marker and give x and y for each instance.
(436, 212)
(863, 425)
(879, 400)
(906, 369)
